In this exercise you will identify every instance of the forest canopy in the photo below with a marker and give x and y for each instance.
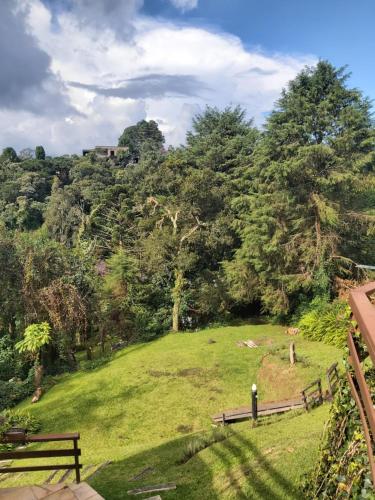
(239, 221)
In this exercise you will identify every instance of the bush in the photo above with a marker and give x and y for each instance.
(15, 390)
(8, 364)
(19, 418)
(327, 322)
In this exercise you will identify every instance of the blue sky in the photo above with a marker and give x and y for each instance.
(341, 31)
(77, 72)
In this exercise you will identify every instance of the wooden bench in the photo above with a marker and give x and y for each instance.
(22, 438)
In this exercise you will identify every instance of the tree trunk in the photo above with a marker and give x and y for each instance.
(88, 353)
(38, 375)
(177, 296)
(12, 327)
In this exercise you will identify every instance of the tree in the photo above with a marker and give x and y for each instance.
(36, 336)
(26, 154)
(142, 136)
(40, 154)
(222, 140)
(317, 150)
(9, 154)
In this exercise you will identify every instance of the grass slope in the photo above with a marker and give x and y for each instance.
(142, 407)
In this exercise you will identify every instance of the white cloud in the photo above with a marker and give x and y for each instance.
(185, 5)
(205, 68)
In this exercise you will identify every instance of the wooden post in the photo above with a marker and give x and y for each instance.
(292, 353)
(320, 397)
(76, 461)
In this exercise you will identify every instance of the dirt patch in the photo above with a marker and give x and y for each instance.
(278, 380)
(264, 341)
(184, 429)
(190, 372)
(216, 389)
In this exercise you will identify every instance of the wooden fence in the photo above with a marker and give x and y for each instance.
(361, 343)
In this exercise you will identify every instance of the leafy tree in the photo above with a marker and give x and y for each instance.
(36, 336)
(141, 137)
(40, 154)
(317, 150)
(9, 154)
(26, 154)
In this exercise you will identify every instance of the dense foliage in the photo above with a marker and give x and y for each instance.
(327, 322)
(237, 221)
(342, 470)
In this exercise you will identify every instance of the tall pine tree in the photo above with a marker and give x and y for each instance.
(300, 225)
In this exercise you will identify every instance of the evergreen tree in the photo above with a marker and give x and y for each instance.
(316, 154)
(143, 136)
(40, 154)
(9, 154)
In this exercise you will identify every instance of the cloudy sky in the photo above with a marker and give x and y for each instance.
(74, 73)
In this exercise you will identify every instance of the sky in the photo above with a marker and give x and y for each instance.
(75, 73)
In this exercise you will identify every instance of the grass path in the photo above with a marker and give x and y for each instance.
(142, 407)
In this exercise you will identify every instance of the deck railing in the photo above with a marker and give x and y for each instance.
(361, 343)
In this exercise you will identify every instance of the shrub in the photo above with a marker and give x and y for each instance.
(15, 390)
(8, 364)
(327, 322)
(19, 418)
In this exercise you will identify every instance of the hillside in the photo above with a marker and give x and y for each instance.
(141, 408)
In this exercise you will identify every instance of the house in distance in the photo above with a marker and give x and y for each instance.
(105, 151)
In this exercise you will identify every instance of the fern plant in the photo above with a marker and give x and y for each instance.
(327, 322)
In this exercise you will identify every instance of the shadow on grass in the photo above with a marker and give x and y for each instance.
(81, 408)
(277, 485)
(238, 470)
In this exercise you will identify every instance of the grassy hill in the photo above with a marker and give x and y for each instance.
(143, 407)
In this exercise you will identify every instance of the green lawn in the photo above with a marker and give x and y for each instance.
(141, 408)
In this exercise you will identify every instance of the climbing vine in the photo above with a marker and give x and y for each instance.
(342, 470)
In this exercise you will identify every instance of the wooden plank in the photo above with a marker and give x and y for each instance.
(19, 455)
(152, 489)
(230, 417)
(86, 470)
(142, 473)
(32, 468)
(42, 438)
(261, 408)
(98, 469)
(65, 476)
(51, 477)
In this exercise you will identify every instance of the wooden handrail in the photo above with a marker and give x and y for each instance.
(364, 314)
(74, 452)
(363, 311)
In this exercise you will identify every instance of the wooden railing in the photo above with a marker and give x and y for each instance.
(361, 343)
(18, 438)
